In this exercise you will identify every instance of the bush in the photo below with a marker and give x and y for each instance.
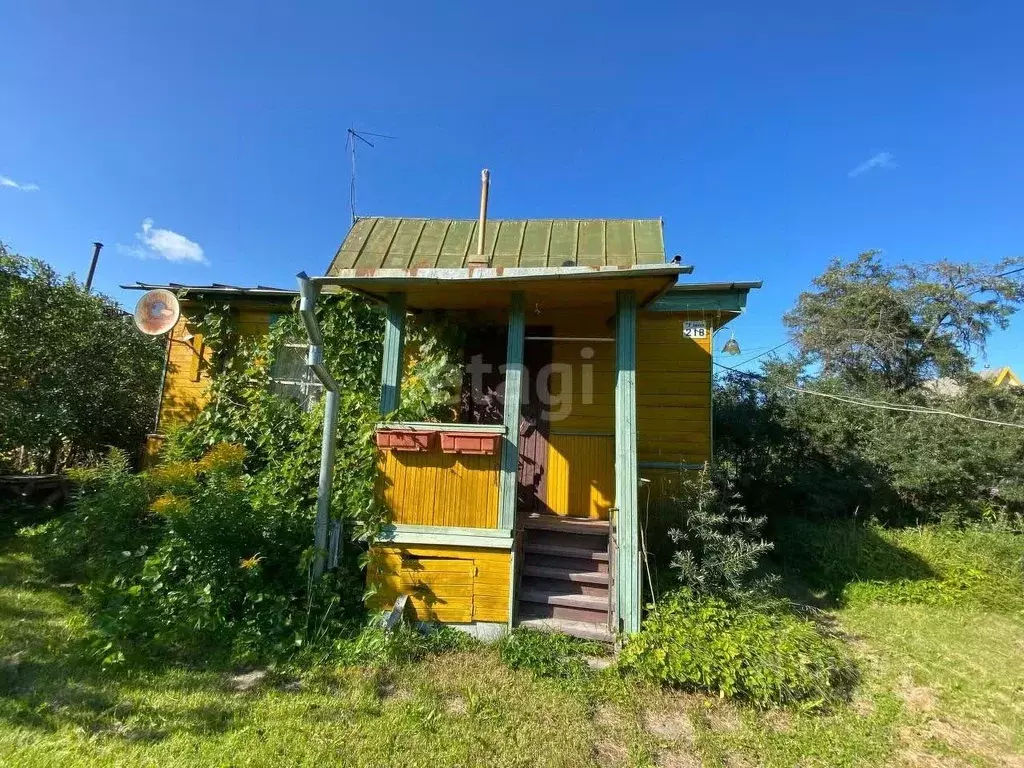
(179, 562)
(75, 374)
(720, 547)
(704, 644)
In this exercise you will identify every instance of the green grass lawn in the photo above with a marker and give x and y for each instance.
(942, 684)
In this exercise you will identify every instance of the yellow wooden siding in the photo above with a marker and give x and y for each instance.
(581, 475)
(435, 488)
(185, 382)
(582, 380)
(187, 378)
(673, 385)
(445, 583)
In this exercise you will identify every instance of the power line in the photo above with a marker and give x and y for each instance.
(877, 404)
(757, 357)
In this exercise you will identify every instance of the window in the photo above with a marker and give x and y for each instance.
(292, 378)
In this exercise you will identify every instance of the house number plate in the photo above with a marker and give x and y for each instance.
(695, 329)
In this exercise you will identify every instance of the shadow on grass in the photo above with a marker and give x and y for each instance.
(818, 560)
(52, 677)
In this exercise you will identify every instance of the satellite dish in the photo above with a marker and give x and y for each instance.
(157, 312)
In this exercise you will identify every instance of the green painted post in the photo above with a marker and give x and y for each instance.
(391, 366)
(509, 484)
(628, 565)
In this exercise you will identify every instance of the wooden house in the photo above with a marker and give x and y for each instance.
(186, 371)
(587, 391)
(588, 387)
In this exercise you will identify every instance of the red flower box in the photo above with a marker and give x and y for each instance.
(413, 440)
(477, 443)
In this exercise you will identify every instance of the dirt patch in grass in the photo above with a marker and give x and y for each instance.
(671, 723)
(918, 698)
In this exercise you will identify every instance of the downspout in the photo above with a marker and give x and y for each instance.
(314, 359)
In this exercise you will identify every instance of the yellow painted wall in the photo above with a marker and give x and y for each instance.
(435, 488)
(445, 583)
(581, 475)
(673, 389)
(188, 376)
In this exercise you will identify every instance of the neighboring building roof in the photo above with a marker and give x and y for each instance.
(1001, 376)
(401, 243)
(259, 291)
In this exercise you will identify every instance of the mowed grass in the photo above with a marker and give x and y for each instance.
(942, 683)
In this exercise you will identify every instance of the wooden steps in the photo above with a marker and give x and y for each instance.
(584, 629)
(568, 574)
(561, 524)
(565, 582)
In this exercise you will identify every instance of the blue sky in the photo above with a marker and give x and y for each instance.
(770, 137)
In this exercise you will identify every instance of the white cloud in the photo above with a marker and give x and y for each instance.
(7, 181)
(877, 160)
(163, 244)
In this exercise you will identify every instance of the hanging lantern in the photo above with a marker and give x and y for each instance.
(732, 347)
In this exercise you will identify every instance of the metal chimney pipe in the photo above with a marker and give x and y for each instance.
(485, 184)
(92, 266)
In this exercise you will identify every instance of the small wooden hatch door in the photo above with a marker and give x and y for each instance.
(439, 588)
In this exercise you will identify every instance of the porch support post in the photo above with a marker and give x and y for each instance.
(509, 481)
(391, 365)
(628, 560)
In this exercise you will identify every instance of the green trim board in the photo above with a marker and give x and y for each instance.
(682, 466)
(626, 502)
(443, 426)
(509, 482)
(391, 364)
(720, 297)
(488, 538)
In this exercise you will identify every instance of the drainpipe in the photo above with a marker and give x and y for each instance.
(480, 259)
(314, 359)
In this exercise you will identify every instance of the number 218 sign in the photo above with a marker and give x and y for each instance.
(695, 329)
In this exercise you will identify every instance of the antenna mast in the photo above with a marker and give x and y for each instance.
(353, 137)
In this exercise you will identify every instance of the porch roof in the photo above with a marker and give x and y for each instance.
(569, 287)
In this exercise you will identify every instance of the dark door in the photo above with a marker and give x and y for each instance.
(483, 403)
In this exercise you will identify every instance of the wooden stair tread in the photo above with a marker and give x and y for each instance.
(565, 574)
(590, 602)
(582, 629)
(557, 550)
(541, 522)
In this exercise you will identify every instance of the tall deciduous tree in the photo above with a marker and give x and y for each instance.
(75, 374)
(899, 325)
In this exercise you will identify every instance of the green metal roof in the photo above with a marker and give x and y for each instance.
(400, 243)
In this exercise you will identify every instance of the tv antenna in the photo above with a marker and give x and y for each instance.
(355, 136)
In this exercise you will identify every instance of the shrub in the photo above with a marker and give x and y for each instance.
(704, 644)
(180, 562)
(75, 374)
(719, 546)
(548, 654)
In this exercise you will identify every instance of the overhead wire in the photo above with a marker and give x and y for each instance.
(877, 404)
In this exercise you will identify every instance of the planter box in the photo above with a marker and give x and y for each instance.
(405, 439)
(476, 443)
